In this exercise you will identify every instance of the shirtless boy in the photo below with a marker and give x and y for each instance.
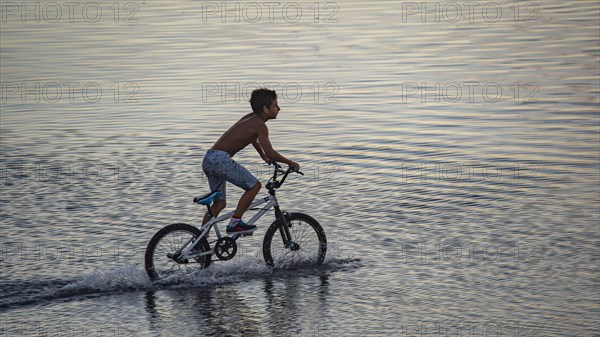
(219, 167)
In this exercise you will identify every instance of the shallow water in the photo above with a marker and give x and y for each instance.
(454, 164)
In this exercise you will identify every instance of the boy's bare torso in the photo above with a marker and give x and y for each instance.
(243, 132)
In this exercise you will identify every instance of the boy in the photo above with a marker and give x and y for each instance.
(219, 167)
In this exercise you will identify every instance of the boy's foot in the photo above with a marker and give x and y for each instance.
(241, 228)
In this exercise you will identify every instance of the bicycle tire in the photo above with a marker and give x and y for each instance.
(158, 265)
(304, 230)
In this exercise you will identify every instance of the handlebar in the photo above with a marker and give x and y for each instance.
(278, 169)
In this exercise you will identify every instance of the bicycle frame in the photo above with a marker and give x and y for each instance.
(271, 201)
(197, 248)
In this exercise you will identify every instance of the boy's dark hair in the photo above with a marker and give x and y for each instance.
(260, 98)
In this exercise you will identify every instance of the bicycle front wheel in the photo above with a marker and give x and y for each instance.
(307, 244)
(161, 253)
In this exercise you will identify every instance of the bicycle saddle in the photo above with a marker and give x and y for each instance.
(208, 198)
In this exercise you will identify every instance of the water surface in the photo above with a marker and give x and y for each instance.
(453, 163)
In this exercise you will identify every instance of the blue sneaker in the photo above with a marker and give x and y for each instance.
(241, 228)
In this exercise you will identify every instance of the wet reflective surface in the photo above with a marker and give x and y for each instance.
(453, 164)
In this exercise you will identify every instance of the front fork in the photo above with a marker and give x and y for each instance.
(284, 229)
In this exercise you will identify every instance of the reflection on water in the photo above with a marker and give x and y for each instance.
(454, 165)
(269, 306)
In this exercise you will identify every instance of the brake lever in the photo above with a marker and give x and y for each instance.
(296, 171)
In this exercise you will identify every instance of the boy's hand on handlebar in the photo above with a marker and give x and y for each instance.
(293, 166)
(274, 163)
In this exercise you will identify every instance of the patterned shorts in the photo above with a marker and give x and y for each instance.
(219, 168)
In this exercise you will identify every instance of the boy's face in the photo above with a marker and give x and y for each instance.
(273, 110)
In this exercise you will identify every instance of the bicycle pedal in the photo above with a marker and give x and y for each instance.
(235, 236)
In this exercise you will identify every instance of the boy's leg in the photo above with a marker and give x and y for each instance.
(228, 169)
(216, 181)
(216, 208)
(246, 200)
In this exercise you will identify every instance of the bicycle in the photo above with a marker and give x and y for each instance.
(177, 246)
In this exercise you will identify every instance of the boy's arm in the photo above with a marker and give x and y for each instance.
(263, 139)
(260, 150)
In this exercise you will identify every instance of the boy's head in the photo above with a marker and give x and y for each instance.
(262, 98)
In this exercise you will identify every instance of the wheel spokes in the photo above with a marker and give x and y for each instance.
(304, 247)
(167, 251)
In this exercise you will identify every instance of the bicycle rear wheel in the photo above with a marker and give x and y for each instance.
(308, 244)
(166, 244)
